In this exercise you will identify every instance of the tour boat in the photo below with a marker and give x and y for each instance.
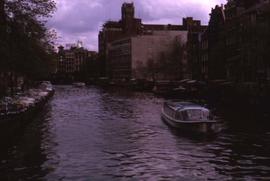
(189, 117)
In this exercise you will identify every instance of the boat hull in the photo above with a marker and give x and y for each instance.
(202, 127)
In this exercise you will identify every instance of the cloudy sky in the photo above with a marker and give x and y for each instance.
(82, 19)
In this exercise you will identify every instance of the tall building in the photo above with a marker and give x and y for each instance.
(216, 44)
(113, 30)
(129, 26)
(195, 30)
(247, 40)
(236, 44)
(203, 64)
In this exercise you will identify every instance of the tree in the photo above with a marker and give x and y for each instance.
(26, 45)
(174, 64)
(170, 64)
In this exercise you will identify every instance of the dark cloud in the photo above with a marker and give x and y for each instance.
(82, 19)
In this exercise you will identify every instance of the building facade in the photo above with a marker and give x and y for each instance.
(195, 30)
(115, 30)
(74, 59)
(150, 56)
(235, 45)
(216, 44)
(129, 26)
(247, 40)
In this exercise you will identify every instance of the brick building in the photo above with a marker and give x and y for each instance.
(195, 30)
(129, 26)
(216, 44)
(113, 30)
(247, 40)
(236, 44)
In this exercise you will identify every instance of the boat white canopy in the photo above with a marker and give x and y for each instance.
(177, 106)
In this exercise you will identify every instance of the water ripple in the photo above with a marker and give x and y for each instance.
(95, 134)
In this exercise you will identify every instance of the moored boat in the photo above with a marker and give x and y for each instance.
(189, 117)
(79, 84)
(23, 105)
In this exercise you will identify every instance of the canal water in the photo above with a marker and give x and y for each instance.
(96, 134)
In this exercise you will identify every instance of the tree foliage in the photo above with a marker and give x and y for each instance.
(25, 42)
(169, 64)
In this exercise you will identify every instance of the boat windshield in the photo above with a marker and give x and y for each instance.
(195, 115)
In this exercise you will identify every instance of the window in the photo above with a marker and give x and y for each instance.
(253, 19)
(179, 116)
(195, 115)
(184, 116)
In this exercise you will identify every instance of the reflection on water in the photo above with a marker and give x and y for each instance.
(95, 134)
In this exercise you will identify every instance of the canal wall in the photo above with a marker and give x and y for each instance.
(17, 110)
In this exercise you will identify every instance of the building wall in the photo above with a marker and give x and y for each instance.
(116, 30)
(203, 71)
(216, 44)
(236, 44)
(247, 42)
(72, 60)
(3, 83)
(119, 56)
(151, 49)
(143, 57)
(129, 26)
(195, 29)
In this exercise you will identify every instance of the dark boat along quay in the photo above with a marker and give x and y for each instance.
(90, 133)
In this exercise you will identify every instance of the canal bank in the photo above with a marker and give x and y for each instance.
(245, 96)
(22, 107)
